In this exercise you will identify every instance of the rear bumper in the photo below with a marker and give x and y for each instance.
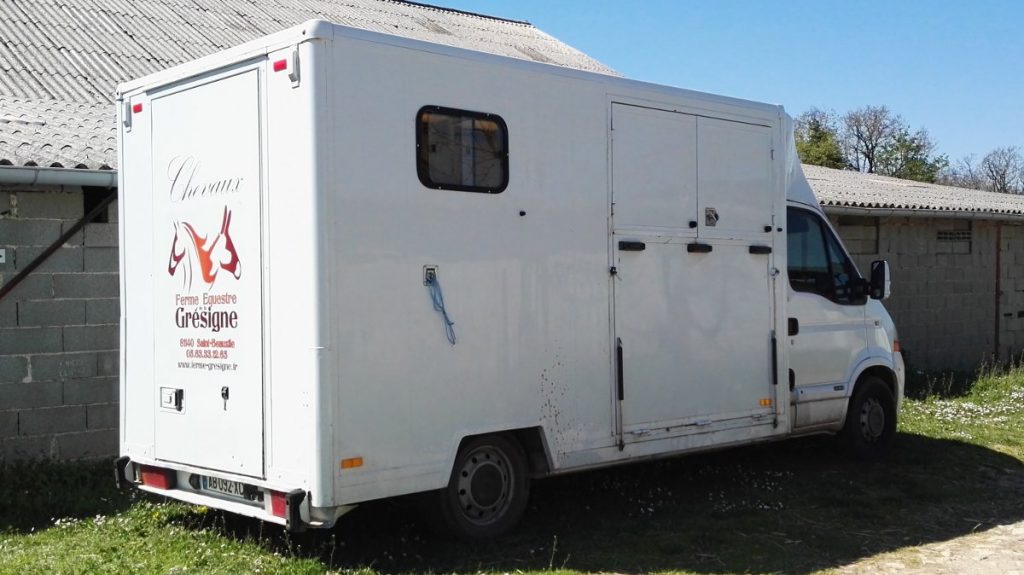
(237, 507)
(296, 513)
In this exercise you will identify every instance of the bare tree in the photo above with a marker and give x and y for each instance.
(1003, 168)
(965, 173)
(865, 132)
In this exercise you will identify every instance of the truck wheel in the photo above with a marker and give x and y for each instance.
(487, 491)
(870, 426)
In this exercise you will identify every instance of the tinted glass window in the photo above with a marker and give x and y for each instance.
(847, 290)
(460, 150)
(808, 261)
(817, 262)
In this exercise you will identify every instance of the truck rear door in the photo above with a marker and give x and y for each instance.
(207, 271)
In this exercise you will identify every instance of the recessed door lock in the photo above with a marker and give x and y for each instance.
(172, 398)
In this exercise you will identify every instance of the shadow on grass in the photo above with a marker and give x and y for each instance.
(33, 494)
(791, 507)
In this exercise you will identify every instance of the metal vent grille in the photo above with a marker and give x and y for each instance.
(954, 235)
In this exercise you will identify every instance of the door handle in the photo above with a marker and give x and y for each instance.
(628, 246)
(794, 326)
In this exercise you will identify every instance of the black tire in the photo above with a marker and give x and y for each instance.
(487, 492)
(870, 427)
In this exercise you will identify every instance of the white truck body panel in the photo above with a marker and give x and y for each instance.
(208, 320)
(337, 354)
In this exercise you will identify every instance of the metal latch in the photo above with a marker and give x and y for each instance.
(293, 70)
(172, 398)
(126, 115)
(225, 394)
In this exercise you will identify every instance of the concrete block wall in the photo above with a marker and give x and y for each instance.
(1011, 286)
(943, 299)
(58, 330)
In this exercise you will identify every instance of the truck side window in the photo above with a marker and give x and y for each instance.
(461, 150)
(817, 263)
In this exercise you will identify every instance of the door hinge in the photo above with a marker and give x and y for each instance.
(773, 153)
(613, 270)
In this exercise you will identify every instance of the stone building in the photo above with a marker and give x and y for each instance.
(956, 254)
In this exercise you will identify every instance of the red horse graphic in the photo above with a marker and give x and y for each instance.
(213, 255)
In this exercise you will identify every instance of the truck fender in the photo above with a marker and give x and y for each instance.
(875, 365)
(533, 440)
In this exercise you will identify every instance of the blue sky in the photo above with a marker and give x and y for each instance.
(953, 67)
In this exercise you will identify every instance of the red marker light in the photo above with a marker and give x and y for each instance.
(278, 504)
(280, 65)
(136, 108)
(157, 477)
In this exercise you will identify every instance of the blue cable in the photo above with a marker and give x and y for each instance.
(437, 297)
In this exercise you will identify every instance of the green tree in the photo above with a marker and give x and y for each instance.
(910, 156)
(817, 139)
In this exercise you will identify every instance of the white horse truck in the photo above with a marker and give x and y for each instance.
(357, 266)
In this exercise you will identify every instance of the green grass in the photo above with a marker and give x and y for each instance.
(793, 507)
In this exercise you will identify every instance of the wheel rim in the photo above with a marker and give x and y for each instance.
(872, 419)
(485, 485)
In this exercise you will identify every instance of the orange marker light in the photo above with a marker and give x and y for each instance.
(352, 463)
(766, 402)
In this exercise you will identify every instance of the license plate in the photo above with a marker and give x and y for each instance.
(224, 486)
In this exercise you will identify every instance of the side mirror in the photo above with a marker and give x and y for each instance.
(881, 284)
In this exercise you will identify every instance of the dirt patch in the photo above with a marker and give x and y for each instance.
(996, 551)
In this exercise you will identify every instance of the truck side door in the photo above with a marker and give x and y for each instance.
(826, 312)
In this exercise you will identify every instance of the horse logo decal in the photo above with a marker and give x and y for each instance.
(211, 254)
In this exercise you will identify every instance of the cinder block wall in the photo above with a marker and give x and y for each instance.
(944, 289)
(58, 330)
(1011, 287)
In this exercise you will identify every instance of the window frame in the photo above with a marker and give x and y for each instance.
(423, 167)
(857, 287)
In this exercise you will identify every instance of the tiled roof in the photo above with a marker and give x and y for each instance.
(67, 56)
(843, 188)
(79, 50)
(53, 133)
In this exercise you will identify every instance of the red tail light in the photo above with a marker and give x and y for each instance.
(278, 504)
(280, 65)
(157, 477)
(136, 108)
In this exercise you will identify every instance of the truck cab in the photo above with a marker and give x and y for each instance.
(846, 372)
